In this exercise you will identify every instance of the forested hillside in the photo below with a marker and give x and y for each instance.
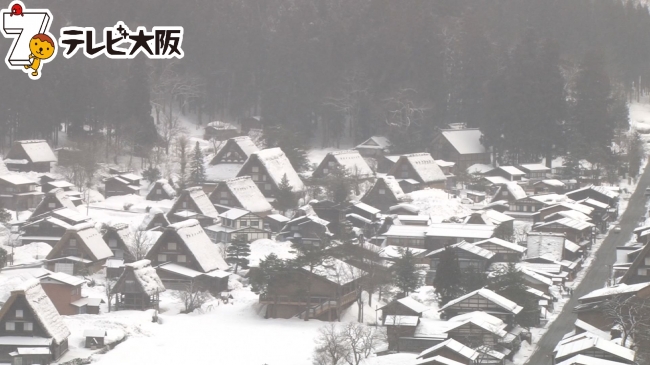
(356, 67)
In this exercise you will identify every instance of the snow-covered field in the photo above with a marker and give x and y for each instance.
(439, 205)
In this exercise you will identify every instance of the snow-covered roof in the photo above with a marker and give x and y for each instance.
(569, 223)
(453, 345)
(534, 167)
(277, 165)
(94, 332)
(568, 347)
(468, 247)
(479, 168)
(424, 166)
(551, 182)
(164, 184)
(248, 194)
(495, 298)
(378, 142)
(497, 180)
(550, 199)
(586, 210)
(367, 208)
(15, 179)
(406, 231)
(595, 203)
(491, 216)
(92, 238)
(511, 170)
(233, 213)
(61, 184)
(37, 150)
(443, 163)
(393, 186)
(395, 252)
(568, 245)
(502, 243)
(180, 270)
(278, 218)
(516, 190)
(534, 275)
(219, 125)
(146, 277)
(588, 360)
(465, 141)
(545, 245)
(411, 304)
(43, 309)
(405, 219)
(592, 329)
(479, 316)
(197, 241)
(401, 321)
(461, 230)
(64, 278)
(352, 161)
(337, 271)
(497, 330)
(438, 360)
(245, 143)
(201, 201)
(614, 290)
(123, 230)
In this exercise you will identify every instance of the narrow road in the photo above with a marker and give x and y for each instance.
(597, 275)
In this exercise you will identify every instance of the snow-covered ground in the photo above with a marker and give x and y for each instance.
(439, 205)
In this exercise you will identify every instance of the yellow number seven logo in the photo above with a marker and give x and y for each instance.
(33, 45)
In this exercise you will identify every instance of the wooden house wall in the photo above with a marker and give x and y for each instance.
(171, 255)
(261, 177)
(380, 201)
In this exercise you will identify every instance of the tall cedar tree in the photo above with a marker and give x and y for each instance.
(509, 283)
(592, 119)
(137, 106)
(635, 153)
(292, 143)
(448, 278)
(238, 252)
(197, 167)
(285, 198)
(339, 184)
(183, 144)
(406, 276)
(270, 271)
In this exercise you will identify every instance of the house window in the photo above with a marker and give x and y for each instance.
(255, 224)
(405, 174)
(243, 223)
(10, 326)
(51, 205)
(382, 191)
(171, 246)
(158, 191)
(181, 258)
(267, 187)
(647, 261)
(184, 204)
(405, 168)
(256, 169)
(223, 194)
(263, 177)
(73, 242)
(326, 171)
(112, 242)
(223, 201)
(256, 177)
(19, 313)
(504, 193)
(330, 163)
(28, 326)
(162, 258)
(642, 272)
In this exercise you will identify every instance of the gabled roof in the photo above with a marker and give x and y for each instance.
(198, 243)
(378, 142)
(15, 179)
(352, 161)
(36, 150)
(588, 360)
(497, 330)
(244, 143)
(578, 343)
(64, 278)
(495, 298)
(202, 202)
(277, 165)
(90, 238)
(165, 186)
(639, 260)
(401, 320)
(453, 345)
(392, 185)
(54, 196)
(233, 213)
(438, 360)
(502, 243)
(42, 307)
(465, 141)
(551, 182)
(145, 276)
(569, 223)
(615, 290)
(491, 216)
(515, 190)
(337, 271)
(424, 165)
(411, 304)
(534, 167)
(511, 170)
(461, 230)
(591, 329)
(247, 193)
(467, 247)
(408, 207)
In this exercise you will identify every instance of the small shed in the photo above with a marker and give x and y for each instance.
(94, 338)
(220, 131)
(138, 288)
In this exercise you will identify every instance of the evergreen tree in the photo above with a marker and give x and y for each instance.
(285, 198)
(151, 174)
(270, 271)
(406, 276)
(309, 257)
(339, 184)
(505, 232)
(137, 106)
(4, 257)
(472, 279)
(509, 283)
(635, 153)
(292, 143)
(183, 154)
(448, 278)
(238, 252)
(197, 167)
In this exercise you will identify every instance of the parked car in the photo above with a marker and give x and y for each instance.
(617, 229)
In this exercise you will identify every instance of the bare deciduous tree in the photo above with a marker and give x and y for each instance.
(631, 314)
(140, 245)
(330, 347)
(360, 340)
(192, 296)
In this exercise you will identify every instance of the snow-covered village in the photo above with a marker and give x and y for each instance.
(323, 182)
